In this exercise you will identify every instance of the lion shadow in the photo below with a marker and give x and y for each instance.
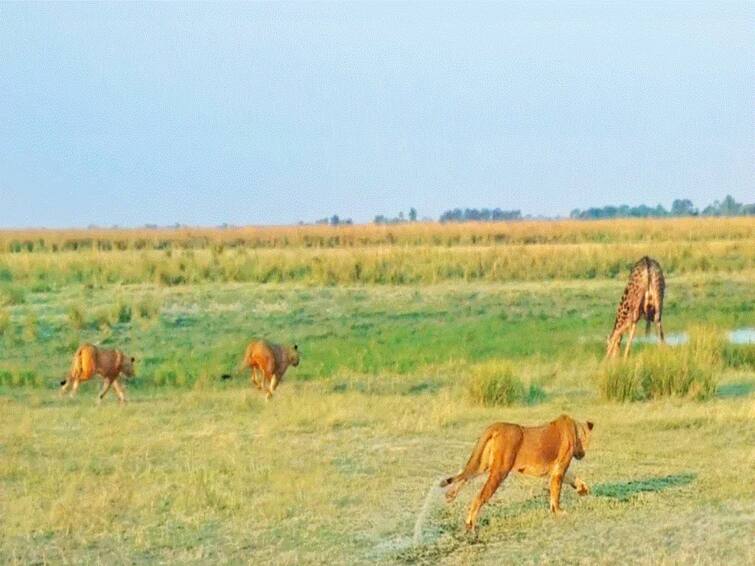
(623, 491)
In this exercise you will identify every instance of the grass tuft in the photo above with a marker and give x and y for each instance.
(11, 295)
(5, 323)
(76, 318)
(147, 308)
(495, 383)
(689, 370)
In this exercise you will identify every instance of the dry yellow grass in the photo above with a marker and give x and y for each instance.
(340, 477)
(410, 234)
(375, 264)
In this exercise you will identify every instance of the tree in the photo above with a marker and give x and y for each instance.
(412, 214)
(730, 207)
(683, 207)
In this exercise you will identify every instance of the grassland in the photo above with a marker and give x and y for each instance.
(340, 475)
(339, 467)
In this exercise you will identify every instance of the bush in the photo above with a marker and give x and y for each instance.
(495, 383)
(689, 370)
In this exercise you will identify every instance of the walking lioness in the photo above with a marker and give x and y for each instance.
(268, 362)
(544, 450)
(110, 364)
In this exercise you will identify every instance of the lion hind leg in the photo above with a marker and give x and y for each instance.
(499, 470)
(105, 388)
(456, 484)
(272, 384)
(256, 378)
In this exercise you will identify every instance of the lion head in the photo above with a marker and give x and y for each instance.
(127, 366)
(293, 355)
(584, 431)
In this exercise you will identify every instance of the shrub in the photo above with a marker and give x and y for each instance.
(689, 370)
(495, 383)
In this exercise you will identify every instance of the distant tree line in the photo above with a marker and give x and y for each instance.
(479, 215)
(334, 220)
(680, 207)
(400, 219)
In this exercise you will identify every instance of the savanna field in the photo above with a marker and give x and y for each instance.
(413, 338)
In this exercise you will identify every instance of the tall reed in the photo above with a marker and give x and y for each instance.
(689, 370)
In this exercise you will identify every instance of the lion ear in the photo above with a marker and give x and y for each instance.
(590, 425)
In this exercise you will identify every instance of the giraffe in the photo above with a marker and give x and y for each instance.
(643, 297)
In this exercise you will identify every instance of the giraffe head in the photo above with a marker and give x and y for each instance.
(613, 344)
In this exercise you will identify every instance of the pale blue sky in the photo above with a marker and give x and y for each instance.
(273, 113)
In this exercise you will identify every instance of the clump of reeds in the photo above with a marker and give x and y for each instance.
(689, 370)
(496, 382)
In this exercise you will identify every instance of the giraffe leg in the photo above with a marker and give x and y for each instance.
(629, 340)
(659, 328)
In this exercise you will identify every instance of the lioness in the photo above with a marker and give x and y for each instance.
(534, 451)
(271, 361)
(110, 364)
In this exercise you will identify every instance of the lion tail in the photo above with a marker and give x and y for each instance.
(473, 464)
(244, 364)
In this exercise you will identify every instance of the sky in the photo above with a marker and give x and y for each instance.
(252, 113)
